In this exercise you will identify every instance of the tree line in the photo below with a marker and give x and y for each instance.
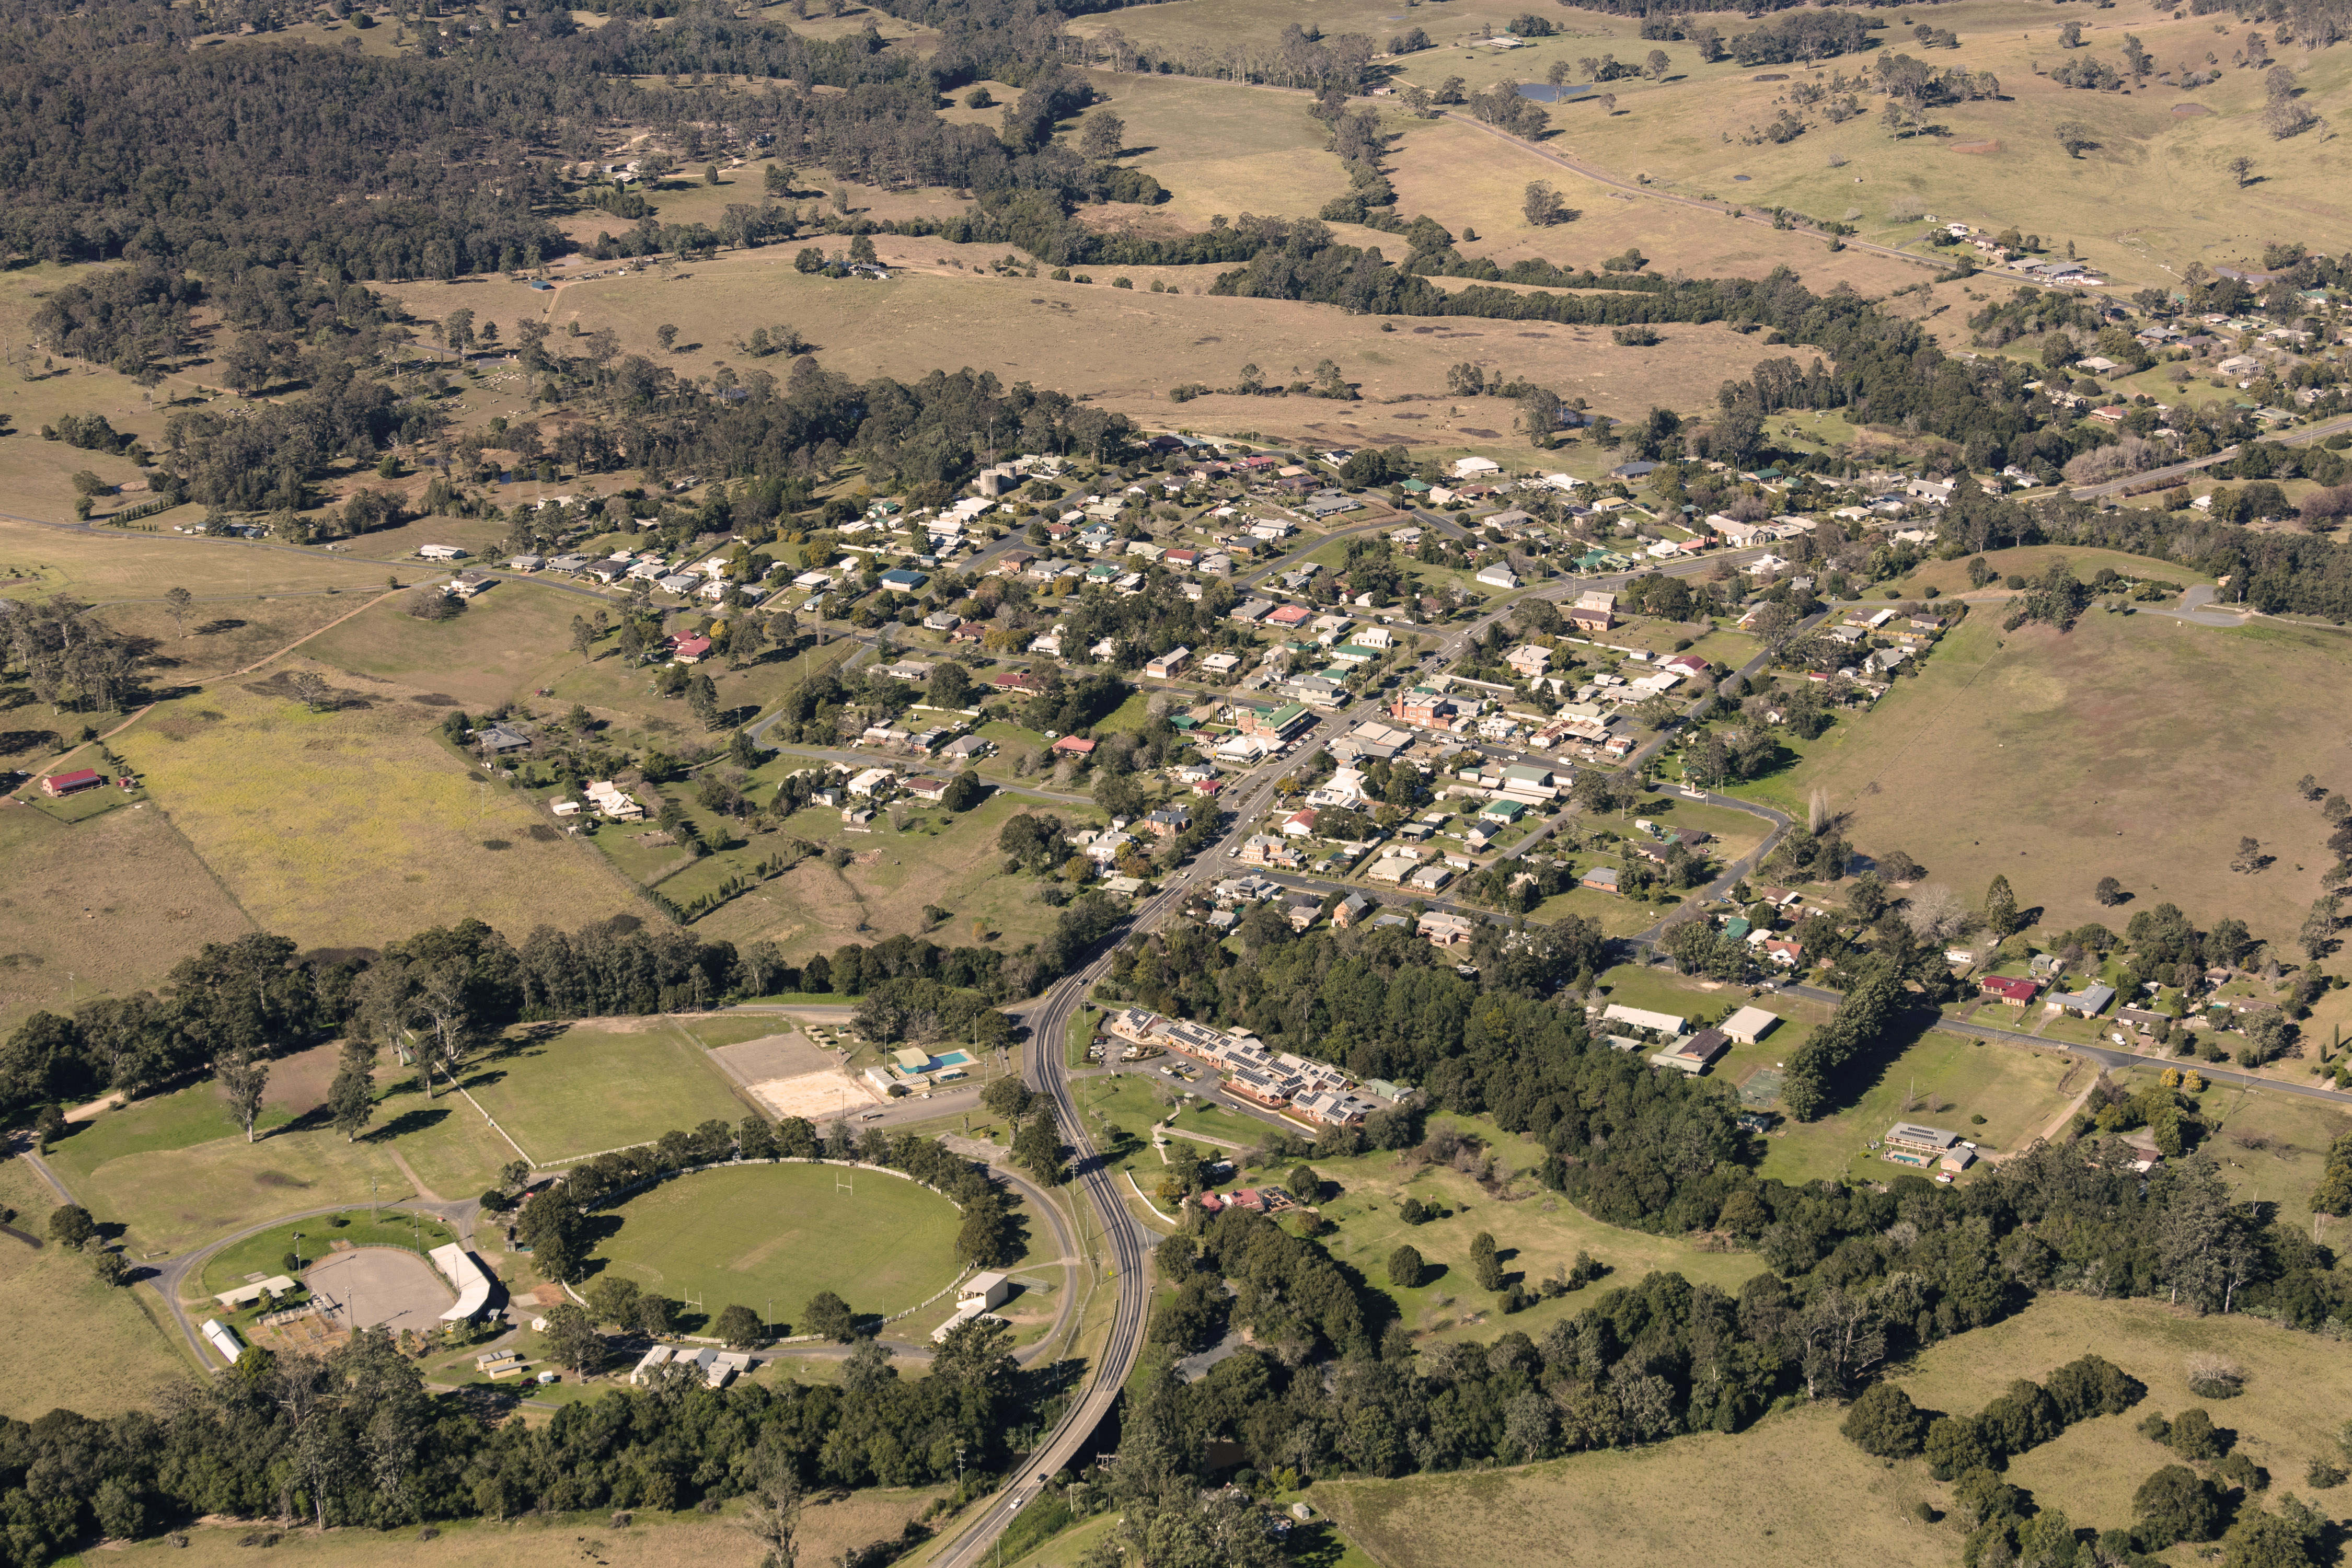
(443, 994)
(353, 1438)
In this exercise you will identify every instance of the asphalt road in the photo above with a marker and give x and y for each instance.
(2154, 476)
(2108, 1056)
(1126, 1241)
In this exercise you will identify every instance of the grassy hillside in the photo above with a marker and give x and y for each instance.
(2139, 747)
(2154, 194)
(1793, 1492)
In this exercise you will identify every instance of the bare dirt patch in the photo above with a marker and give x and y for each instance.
(817, 1097)
(298, 1083)
(774, 1056)
(381, 1286)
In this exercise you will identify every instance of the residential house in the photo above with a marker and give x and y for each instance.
(1528, 660)
(2088, 1003)
(1498, 575)
(1594, 611)
(1601, 878)
(613, 802)
(1440, 928)
(1168, 822)
(58, 785)
(1299, 823)
(2014, 990)
(1351, 910)
(1909, 1144)
(1168, 663)
(1430, 878)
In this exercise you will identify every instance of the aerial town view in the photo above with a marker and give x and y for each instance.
(1201, 783)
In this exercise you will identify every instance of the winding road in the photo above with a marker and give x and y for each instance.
(1126, 1240)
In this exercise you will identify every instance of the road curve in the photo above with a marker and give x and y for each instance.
(1127, 1241)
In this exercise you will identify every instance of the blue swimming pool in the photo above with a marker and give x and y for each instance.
(953, 1059)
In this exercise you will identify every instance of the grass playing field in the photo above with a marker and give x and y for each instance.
(509, 641)
(121, 1357)
(597, 1085)
(757, 1234)
(293, 810)
(2139, 747)
(1791, 1491)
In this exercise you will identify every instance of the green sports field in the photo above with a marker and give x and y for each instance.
(753, 1234)
(592, 1086)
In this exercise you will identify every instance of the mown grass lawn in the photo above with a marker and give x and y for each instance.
(753, 1234)
(600, 1085)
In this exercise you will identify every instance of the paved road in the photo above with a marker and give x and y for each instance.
(1127, 1240)
(2154, 477)
(2109, 1055)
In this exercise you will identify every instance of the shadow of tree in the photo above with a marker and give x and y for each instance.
(406, 1122)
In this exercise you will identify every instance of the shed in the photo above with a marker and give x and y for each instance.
(990, 1289)
(1749, 1024)
(222, 1339)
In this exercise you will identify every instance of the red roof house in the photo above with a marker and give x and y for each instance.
(2014, 989)
(1074, 746)
(688, 649)
(57, 784)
